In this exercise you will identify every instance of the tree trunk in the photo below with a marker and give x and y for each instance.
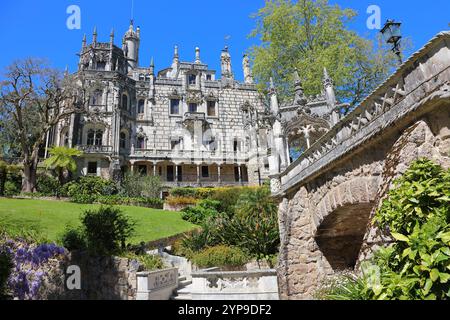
(61, 177)
(29, 177)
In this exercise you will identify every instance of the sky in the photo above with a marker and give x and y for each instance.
(30, 28)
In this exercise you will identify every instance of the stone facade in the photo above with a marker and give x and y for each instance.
(183, 124)
(329, 195)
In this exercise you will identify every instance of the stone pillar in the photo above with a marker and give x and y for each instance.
(198, 173)
(132, 168)
(219, 174)
(240, 174)
(154, 169)
(176, 173)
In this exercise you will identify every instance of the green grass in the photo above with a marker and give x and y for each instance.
(50, 218)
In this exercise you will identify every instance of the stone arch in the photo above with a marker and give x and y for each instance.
(341, 219)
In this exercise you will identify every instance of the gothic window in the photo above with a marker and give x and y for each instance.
(96, 98)
(235, 145)
(95, 138)
(124, 102)
(208, 77)
(211, 108)
(193, 107)
(174, 106)
(141, 105)
(141, 77)
(101, 66)
(141, 143)
(192, 79)
(123, 140)
(147, 78)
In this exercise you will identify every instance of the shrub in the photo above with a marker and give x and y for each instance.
(181, 201)
(228, 198)
(86, 189)
(416, 214)
(107, 230)
(47, 185)
(204, 210)
(113, 200)
(74, 239)
(147, 262)
(220, 256)
(12, 188)
(183, 192)
(136, 185)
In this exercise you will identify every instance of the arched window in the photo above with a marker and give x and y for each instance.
(96, 98)
(95, 137)
(124, 102)
(141, 77)
(123, 140)
(141, 105)
(66, 138)
(140, 143)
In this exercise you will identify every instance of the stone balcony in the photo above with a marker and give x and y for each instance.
(96, 149)
(191, 155)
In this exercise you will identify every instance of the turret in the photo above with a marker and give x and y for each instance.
(152, 79)
(131, 46)
(111, 38)
(248, 77)
(83, 43)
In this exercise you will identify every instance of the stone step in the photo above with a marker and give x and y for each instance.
(182, 297)
(185, 290)
(181, 279)
(184, 284)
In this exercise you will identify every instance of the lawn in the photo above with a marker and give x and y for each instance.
(50, 218)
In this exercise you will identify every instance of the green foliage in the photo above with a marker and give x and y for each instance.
(200, 213)
(73, 239)
(181, 201)
(198, 240)
(345, 287)
(309, 35)
(86, 189)
(47, 185)
(220, 256)
(135, 186)
(417, 216)
(107, 230)
(184, 192)
(12, 188)
(62, 159)
(114, 200)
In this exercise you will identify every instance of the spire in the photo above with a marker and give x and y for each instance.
(66, 71)
(273, 98)
(84, 42)
(175, 53)
(329, 89)
(152, 67)
(197, 55)
(327, 81)
(300, 98)
(111, 37)
(94, 36)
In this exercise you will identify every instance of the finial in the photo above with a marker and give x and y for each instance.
(66, 71)
(112, 33)
(84, 41)
(152, 67)
(300, 98)
(327, 81)
(175, 52)
(94, 36)
(197, 55)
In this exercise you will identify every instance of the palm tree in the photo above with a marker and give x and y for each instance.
(61, 160)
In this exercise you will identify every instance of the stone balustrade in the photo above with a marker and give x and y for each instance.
(399, 95)
(157, 285)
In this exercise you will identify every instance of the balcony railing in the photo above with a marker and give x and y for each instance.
(96, 149)
(190, 154)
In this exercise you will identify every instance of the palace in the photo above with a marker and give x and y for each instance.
(185, 124)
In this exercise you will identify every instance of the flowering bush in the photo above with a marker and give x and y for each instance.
(28, 266)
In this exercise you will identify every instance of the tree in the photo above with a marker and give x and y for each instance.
(62, 160)
(309, 35)
(34, 98)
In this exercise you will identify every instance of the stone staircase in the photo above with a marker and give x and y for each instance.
(183, 292)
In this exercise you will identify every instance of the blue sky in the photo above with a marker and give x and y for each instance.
(38, 28)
